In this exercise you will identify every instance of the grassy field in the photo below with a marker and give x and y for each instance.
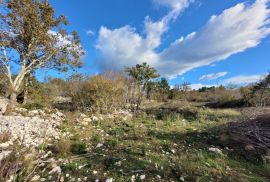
(159, 146)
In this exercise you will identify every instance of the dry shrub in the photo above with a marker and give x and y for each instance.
(62, 147)
(101, 93)
(4, 87)
(39, 96)
(5, 136)
(18, 165)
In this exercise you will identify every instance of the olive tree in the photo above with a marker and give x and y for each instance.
(32, 38)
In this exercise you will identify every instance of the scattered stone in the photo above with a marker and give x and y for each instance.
(173, 151)
(142, 177)
(99, 145)
(109, 180)
(215, 150)
(5, 145)
(35, 178)
(56, 169)
(133, 178)
(87, 120)
(118, 163)
(62, 179)
(182, 178)
(94, 118)
(80, 167)
(4, 154)
(21, 110)
(62, 100)
(30, 131)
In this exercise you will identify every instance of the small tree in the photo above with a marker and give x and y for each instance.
(247, 94)
(151, 87)
(164, 88)
(141, 75)
(261, 88)
(32, 38)
(174, 93)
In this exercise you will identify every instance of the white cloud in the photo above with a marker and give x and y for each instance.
(125, 47)
(213, 76)
(90, 33)
(244, 79)
(234, 30)
(176, 6)
(197, 86)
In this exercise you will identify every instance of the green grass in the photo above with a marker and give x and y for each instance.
(164, 147)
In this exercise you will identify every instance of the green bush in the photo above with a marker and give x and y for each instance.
(169, 116)
(33, 106)
(78, 148)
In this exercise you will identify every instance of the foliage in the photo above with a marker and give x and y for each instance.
(4, 87)
(261, 92)
(27, 32)
(101, 93)
(141, 76)
(164, 88)
(78, 148)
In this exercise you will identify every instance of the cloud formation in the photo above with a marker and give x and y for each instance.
(213, 76)
(244, 79)
(176, 6)
(233, 31)
(90, 33)
(124, 47)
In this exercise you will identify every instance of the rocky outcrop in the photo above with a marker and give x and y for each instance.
(33, 128)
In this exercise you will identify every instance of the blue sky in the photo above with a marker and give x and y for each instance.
(232, 47)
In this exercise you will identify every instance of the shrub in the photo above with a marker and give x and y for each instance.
(62, 147)
(39, 96)
(101, 93)
(5, 136)
(169, 116)
(78, 148)
(33, 106)
(4, 87)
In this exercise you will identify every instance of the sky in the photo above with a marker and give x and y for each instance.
(205, 43)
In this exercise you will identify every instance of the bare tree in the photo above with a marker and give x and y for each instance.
(32, 38)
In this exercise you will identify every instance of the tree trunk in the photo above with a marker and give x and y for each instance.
(12, 103)
(25, 92)
(25, 96)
